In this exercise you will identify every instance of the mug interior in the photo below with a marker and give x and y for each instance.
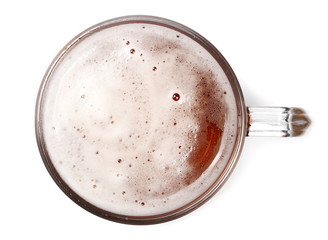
(156, 218)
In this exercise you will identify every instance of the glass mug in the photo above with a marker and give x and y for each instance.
(72, 134)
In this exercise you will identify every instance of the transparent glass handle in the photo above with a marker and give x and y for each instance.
(276, 122)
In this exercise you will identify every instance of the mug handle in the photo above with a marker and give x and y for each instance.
(276, 122)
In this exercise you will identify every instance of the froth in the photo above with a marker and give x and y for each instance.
(138, 119)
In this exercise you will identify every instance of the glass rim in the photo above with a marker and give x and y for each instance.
(221, 179)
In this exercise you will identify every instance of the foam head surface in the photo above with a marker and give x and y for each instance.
(138, 119)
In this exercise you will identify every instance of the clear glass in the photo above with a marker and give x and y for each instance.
(276, 122)
(252, 121)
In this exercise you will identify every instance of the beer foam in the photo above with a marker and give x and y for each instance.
(138, 119)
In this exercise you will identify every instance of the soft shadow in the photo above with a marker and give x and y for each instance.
(252, 98)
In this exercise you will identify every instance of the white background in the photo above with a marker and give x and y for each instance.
(279, 52)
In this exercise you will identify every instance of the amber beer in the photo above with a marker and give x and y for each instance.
(138, 119)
